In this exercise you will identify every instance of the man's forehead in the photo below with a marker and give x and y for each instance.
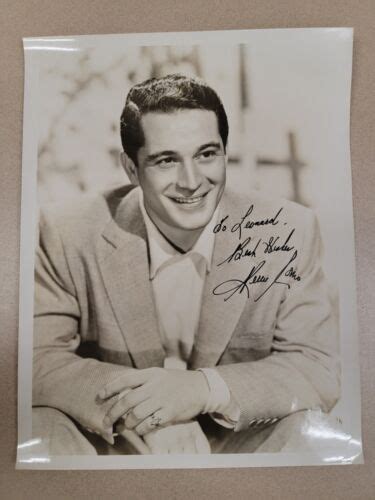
(181, 126)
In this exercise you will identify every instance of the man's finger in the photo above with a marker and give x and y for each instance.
(157, 419)
(124, 404)
(135, 440)
(138, 413)
(132, 378)
(107, 435)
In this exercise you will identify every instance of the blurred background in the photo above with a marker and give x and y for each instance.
(283, 101)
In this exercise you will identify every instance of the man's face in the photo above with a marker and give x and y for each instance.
(181, 170)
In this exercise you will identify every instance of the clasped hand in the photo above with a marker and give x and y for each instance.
(158, 397)
(186, 438)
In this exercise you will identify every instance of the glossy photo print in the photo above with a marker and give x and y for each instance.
(187, 292)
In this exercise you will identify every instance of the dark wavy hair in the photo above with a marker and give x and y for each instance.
(167, 94)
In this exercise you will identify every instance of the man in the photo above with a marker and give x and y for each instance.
(157, 305)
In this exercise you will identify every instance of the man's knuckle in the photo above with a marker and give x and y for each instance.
(140, 430)
(131, 418)
(129, 400)
(137, 412)
(112, 416)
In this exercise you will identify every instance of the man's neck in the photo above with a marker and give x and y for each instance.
(184, 241)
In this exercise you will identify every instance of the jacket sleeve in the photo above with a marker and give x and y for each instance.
(302, 371)
(61, 378)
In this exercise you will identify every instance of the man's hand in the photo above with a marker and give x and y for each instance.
(187, 438)
(159, 397)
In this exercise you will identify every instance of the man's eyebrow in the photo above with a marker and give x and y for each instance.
(169, 152)
(212, 144)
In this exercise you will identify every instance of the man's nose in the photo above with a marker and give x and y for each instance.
(189, 176)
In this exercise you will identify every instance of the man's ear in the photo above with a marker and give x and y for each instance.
(130, 168)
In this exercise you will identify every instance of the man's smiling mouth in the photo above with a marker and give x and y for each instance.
(191, 200)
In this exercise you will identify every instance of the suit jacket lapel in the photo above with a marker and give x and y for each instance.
(218, 317)
(125, 272)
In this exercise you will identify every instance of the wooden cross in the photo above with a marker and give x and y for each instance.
(293, 163)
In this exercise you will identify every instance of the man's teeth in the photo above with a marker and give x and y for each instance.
(189, 201)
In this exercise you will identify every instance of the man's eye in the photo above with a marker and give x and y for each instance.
(166, 162)
(209, 154)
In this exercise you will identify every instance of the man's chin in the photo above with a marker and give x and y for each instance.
(197, 223)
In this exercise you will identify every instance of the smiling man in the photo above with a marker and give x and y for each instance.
(181, 170)
(132, 346)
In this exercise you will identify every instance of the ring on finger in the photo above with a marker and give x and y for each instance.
(155, 421)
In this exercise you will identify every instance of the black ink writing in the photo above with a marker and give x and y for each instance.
(221, 226)
(293, 274)
(238, 286)
(242, 251)
(281, 273)
(233, 286)
(249, 224)
(272, 246)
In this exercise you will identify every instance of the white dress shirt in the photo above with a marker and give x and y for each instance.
(177, 283)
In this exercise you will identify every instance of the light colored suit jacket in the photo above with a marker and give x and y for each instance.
(95, 314)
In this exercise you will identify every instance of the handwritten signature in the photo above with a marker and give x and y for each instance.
(237, 286)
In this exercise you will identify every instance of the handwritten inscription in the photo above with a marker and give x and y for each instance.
(246, 223)
(272, 244)
(242, 250)
(251, 248)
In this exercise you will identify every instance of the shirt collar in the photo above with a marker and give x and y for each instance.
(162, 251)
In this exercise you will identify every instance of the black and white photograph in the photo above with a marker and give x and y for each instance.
(187, 290)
